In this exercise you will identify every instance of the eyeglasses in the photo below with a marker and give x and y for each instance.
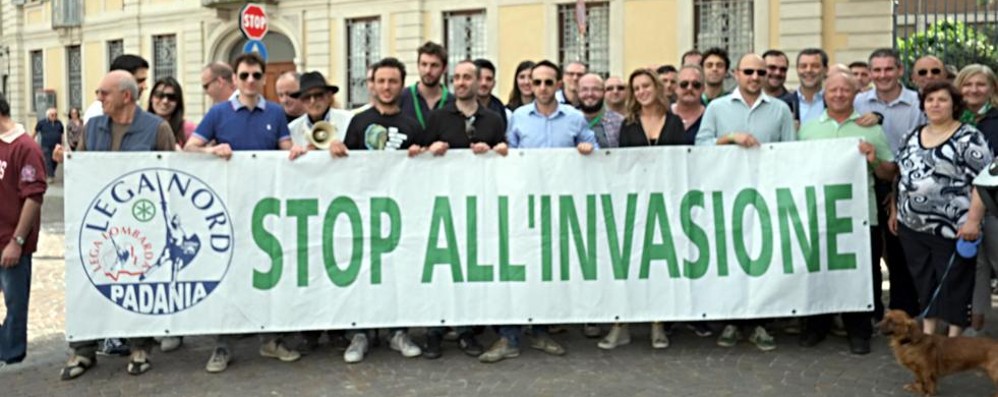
(934, 71)
(206, 85)
(539, 82)
(313, 96)
(759, 72)
(687, 83)
(170, 97)
(774, 68)
(245, 75)
(615, 87)
(469, 129)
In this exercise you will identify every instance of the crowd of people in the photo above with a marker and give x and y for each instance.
(924, 145)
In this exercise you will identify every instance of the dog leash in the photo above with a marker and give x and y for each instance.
(935, 294)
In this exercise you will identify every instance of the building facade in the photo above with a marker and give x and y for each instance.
(58, 50)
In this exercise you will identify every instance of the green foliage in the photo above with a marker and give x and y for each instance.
(954, 42)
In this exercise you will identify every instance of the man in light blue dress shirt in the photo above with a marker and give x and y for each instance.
(545, 123)
(747, 116)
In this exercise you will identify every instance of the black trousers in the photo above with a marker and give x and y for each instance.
(903, 295)
(931, 255)
(857, 324)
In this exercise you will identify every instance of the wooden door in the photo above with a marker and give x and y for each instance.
(275, 69)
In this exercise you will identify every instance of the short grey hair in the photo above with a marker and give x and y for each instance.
(128, 84)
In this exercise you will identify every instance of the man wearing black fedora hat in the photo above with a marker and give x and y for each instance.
(317, 97)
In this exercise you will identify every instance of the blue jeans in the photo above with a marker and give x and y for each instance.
(15, 284)
(513, 333)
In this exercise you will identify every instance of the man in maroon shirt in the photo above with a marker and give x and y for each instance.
(22, 185)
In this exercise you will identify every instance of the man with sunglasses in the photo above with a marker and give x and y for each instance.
(246, 121)
(464, 124)
(122, 127)
(544, 123)
(217, 82)
(605, 123)
(927, 70)
(777, 65)
(747, 117)
(418, 100)
(286, 84)
(317, 98)
(690, 109)
(615, 94)
(900, 113)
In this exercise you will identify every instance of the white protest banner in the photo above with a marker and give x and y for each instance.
(180, 243)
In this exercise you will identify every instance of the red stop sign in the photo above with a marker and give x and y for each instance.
(253, 21)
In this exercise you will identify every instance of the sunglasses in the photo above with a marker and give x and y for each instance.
(539, 82)
(934, 71)
(615, 88)
(169, 97)
(686, 84)
(759, 72)
(245, 75)
(312, 96)
(469, 129)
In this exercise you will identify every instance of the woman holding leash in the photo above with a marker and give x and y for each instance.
(937, 206)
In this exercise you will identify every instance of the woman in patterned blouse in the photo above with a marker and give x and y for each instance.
(936, 205)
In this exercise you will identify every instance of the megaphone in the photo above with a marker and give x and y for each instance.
(322, 134)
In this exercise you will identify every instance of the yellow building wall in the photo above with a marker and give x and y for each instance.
(113, 5)
(831, 39)
(36, 16)
(94, 55)
(774, 26)
(520, 30)
(55, 75)
(646, 39)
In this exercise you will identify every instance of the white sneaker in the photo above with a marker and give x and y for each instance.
(276, 349)
(659, 340)
(401, 343)
(358, 347)
(618, 336)
(170, 343)
(219, 361)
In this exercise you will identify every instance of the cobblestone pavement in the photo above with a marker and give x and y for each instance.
(692, 366)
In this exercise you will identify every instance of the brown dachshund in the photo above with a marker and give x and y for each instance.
(931, 357)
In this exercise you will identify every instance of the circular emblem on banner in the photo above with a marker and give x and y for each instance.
(156, 241)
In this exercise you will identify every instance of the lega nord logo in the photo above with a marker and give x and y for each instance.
(156, 241)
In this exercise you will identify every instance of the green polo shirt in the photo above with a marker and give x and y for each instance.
(825, 127)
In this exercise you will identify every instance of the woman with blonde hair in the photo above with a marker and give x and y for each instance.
(649, 122)
(979, 87)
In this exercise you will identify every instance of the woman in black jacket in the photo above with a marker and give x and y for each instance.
(648, 121)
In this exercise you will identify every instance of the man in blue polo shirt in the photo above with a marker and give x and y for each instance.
(246, 121)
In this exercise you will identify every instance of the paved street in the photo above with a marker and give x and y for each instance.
(690, 367)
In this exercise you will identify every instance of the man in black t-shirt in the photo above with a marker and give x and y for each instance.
(383, 126)
(464, 123)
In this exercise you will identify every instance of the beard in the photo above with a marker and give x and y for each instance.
(427, 82)
(596, 107)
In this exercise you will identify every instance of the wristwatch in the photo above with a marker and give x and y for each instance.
(19, 240)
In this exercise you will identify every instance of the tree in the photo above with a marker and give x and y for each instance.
(954, 42)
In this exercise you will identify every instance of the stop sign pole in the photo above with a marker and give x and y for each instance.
(253, 21)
